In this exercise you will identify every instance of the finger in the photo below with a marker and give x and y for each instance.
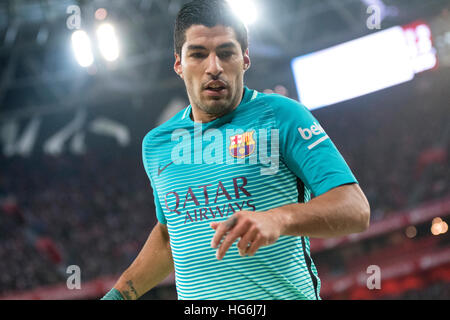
(221, 229)
(230, 238)
(256, 244)
(245, 242)
(214, 225)
(231, 222)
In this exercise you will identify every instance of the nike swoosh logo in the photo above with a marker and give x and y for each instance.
(164, 168)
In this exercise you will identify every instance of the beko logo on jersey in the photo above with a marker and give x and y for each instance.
(315, 130)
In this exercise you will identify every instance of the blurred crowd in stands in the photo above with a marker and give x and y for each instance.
(58, 211)
(96, 211)
(436, 291)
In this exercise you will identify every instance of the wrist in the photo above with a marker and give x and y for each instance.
(279, 219)
(113, 294)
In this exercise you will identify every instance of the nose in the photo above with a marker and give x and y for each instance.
(214, 68)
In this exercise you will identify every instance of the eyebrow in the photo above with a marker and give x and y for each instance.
(225, 45)
(195, 47)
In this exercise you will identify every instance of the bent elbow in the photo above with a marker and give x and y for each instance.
(364, 218)
(362, 207)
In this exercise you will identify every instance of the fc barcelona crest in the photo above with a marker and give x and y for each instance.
(242, 145)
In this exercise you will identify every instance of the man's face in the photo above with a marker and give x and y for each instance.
(212, 66)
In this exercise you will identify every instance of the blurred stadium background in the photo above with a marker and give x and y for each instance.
(73, 190)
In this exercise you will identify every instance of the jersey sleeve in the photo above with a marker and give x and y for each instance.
(145, 158)
(306, 148)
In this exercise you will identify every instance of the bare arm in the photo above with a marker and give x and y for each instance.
(340, 211)
(152, 265)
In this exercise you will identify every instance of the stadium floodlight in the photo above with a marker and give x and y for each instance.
(108, 43)
(244, 9)
(81, 46)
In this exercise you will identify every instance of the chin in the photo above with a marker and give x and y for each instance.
(217, 107)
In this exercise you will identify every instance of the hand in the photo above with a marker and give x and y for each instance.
(255, 229)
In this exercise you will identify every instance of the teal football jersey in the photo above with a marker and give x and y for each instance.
(268, 152)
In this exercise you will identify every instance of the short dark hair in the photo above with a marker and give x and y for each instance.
(209, 13)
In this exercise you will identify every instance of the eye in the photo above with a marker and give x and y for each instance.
(225, 54)
(197, 55)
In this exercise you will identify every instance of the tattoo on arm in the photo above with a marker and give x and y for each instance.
(127, 295)
(130, 284)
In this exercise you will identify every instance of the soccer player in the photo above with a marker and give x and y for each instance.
(229, 229)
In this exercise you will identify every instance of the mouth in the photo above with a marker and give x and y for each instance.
(215, 88)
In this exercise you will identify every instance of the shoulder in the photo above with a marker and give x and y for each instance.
(163, 131)
(284, 108)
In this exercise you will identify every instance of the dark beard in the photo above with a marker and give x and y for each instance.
(216, 110)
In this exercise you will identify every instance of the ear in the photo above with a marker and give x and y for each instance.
(177, 66)
(247, 61)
